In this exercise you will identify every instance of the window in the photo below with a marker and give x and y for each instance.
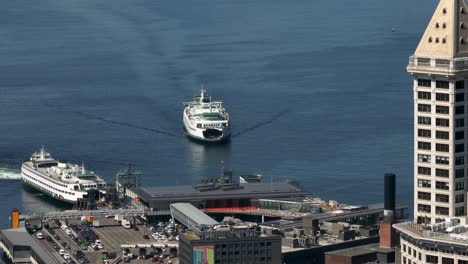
(459, 211)
(442, 109)
(442, 160)
(439, 96)
(460, 122)
(442, 84)
(459, 109)
(424, 145)
(424, 158)
(424, 95)
(424, 208)
(459, 135)
(442, 135)
(442, 122)
(447, 260)
(442, 173)
(459, 97)
(459, 173)
(442, 147)
(459, 84)
(424, 120)
(460, 261)
(424, 82)
(424, 183)
(442, 198)
(459, 198)
(424, 133)
(459, 148)
(442, 210)
(459, 186)
(460, 160)
(424, 170)
(424, 196)
(424, 108)
(442, 185)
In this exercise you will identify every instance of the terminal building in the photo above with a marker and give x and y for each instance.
(215, 193)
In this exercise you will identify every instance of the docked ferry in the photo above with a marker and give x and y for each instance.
(205, 119)
(60, 180)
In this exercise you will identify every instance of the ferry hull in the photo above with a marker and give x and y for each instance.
(200, 134)
(50, 195)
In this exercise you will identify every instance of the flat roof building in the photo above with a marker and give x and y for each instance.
(214, 196)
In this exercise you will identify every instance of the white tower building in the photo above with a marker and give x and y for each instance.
(439, 68)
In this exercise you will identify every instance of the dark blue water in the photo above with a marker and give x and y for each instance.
(317, 90)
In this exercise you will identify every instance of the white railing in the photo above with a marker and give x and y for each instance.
(423, 232)
(455, 64)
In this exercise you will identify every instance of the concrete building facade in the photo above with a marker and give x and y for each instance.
(439, 68)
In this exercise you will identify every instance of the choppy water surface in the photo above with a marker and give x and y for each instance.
(317, 90)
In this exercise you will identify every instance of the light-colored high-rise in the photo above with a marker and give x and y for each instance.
(439, 68)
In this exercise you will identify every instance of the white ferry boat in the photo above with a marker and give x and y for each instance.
(60, 180)
(206, 120)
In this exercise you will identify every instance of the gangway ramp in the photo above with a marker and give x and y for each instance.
(191, 217)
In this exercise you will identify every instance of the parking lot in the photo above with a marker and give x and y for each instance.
(78, 239)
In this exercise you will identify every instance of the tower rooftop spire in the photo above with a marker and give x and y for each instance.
(446, 36)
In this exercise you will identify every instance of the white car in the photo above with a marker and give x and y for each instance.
(97, 241)
(62, 252)
(66, 257)
(39, 235)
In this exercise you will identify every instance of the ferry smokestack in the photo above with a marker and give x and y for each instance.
(389, 193)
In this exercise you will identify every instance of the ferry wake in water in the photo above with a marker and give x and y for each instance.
(9, 174)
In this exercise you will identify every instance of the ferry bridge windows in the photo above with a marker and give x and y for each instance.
(424, 133)
(424, 145)
(442, 110)
(424, 183)
(442, 135)
(442, 173)
(424, 120)
(442, 210)
(424, 196)
(424, 170)
(424, 83)
(424, 158)
(439, 97)
(442, 84)
(442, 185)
(442, 198)
(442, 122)
(424, 108)
(424, 95)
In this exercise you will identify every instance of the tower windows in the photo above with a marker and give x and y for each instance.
(424, 183)
(460, 160)
(424, 145)
(442, 122)
(442, 173)
(442, 160)
(442, 198)
(441, 97)
(424, 196)
(440, 109)
(424, 170)
(424, 120)
(442, 185)
(459, 173)
(442, 135)
(442, 147)
(459, 97)
(424, 83)
(425, 95)
(442, 84)
(459, 135)
(460, 84)
(459, 148)
(459, 109)
(442, 210)
(424, 108)
(424, 133)
(460, 122)
(424, 158)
